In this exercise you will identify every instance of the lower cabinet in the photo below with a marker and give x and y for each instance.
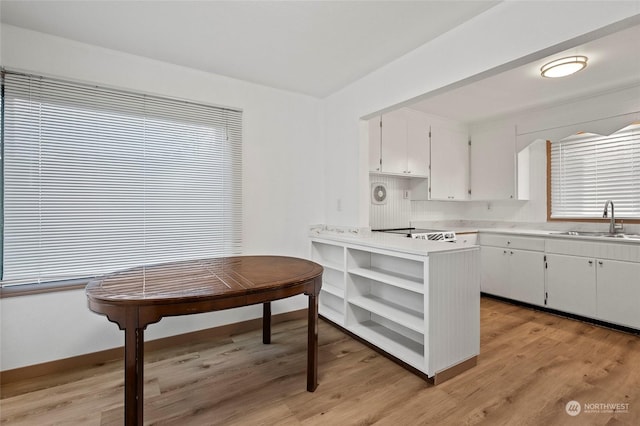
(570, 275)
(513, 273)
(571, 284)
(495, 275)
(604, 289)
(618, 292)
(527, 276)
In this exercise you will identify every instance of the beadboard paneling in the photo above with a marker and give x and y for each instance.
(396, 212)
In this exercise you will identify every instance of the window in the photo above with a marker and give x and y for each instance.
(96, 180)
(589, 169)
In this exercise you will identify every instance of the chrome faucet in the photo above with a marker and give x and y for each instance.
(613, 228)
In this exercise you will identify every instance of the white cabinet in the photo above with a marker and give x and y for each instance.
(513, 267)
(571, 284)
(493, 163)
(495, 275)
(596, 280)
(605, 289)
(467, 238)
(618, 292)
(417, 143)
(423, 309)
(399, 143)
(527, 276)
(599, 280)
(449, 155)
(375, 145)
(394, 142)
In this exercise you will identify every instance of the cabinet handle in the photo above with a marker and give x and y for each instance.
(600, 262)
(508, 242)
(591, 262)
(504, 252)
(511, 253)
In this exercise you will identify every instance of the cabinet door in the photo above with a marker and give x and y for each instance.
(394, 142)
(374, 145)
(526, 272)
(571, 284)
(449, 163)
(493, 175)
(494, 272)
(618, 290)
(417, 144)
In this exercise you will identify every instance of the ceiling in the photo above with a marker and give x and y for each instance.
(310, 47)
(614, 62)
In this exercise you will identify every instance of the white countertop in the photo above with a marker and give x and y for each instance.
(553, 230)
(559, 234)
(392, 242)
(363, 236)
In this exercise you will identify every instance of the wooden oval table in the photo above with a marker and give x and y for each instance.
(141, 296)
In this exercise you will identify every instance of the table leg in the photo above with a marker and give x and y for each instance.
(312, 344)
(266, 323)
(133, 375)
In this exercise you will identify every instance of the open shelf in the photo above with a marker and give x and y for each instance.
(331, 314)
(391, 278)
(331, 306)
(332, 289)
(328, 255)
(399, 314)
(330, 265)
(388, 340)
(419, 308)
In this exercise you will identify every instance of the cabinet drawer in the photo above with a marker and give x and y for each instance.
(601, 250)
(514, 242)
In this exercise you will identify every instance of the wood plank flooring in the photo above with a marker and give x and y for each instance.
(531, 364)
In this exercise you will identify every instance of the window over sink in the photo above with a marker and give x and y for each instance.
(586, 170)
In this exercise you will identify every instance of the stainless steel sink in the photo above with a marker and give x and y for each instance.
(600, 234)
(584, 233)
(624, 236)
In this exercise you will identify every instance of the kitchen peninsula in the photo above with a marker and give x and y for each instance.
(416, 301)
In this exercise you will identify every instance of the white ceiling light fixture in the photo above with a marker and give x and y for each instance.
(564, 66)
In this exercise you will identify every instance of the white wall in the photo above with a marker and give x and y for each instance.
(291, 179)
(283, 187)
(510, 31)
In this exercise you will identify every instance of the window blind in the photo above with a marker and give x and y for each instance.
(97, 180)
(589, 169)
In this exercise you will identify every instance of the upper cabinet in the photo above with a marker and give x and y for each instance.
(417, 143)
(449, 160)
(493, 162)
(399, 143)
(375, 145)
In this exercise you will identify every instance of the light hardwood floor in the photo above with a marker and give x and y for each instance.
(531, 364)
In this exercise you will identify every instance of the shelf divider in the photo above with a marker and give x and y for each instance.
(399, 314)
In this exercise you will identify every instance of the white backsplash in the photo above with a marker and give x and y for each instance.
(396, 212)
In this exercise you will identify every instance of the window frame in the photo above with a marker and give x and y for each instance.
(574, 219)
(11, 290)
